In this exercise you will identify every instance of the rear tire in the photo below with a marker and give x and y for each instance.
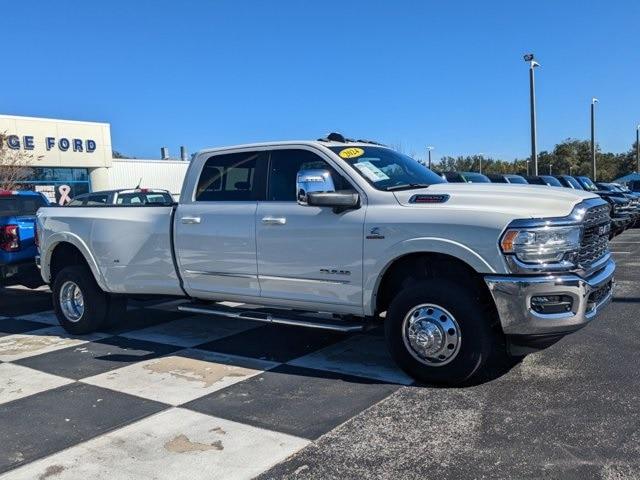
(79, 303)
(439, 332)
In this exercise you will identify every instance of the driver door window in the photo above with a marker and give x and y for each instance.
(284, 166)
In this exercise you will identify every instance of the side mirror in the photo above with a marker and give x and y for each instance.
(312, 181)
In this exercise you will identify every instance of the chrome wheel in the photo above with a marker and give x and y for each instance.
(431, 334)
(71, 301)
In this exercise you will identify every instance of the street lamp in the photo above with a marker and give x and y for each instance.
(429, 150)
(638, 148)
(593, 137)
(550, 166)
(480, 160)
(529, 58)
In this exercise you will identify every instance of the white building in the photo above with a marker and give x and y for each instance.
(71, 157)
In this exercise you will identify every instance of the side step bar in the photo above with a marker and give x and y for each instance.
(279, 317)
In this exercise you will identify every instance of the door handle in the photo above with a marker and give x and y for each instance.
(191, 220)
(274, 220)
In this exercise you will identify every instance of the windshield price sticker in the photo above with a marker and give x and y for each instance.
(351, 152)
(370, 171)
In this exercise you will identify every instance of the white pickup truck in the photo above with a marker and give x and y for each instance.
(342, 235)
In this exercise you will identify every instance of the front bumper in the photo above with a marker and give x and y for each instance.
(513, 295)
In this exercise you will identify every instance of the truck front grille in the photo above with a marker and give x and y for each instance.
(595, 241)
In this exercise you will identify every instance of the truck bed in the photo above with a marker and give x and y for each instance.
(131, 247)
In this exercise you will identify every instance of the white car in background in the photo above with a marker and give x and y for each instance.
(128, 197)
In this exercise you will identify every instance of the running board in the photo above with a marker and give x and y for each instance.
(282, 318)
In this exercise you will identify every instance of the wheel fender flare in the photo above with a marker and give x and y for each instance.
(66, 237)
(417, 245)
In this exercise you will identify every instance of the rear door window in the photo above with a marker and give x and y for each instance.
(233, 177)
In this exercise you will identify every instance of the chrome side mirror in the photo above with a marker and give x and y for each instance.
(311, 181)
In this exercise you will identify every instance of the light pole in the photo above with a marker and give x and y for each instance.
(593, 137)
(429, 150)
(529, 58)
(480, 160)
(550, 167)
(570, 168)
(638, 148)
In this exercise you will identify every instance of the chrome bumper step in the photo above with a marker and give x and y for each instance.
(282, 317)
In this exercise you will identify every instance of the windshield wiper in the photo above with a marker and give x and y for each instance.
(407, 186)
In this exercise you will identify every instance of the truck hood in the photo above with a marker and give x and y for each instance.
(519, 201)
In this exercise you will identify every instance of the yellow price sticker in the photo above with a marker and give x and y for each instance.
(351, 152)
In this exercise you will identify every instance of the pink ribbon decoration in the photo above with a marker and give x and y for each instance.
(64, 194)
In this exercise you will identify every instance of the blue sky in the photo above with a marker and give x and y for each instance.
(409, 73)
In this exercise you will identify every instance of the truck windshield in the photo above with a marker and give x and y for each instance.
(473, 177)
(551, 181)
(386, 169)
(15, 205)
(517, 179)
(587, 184)
(572, 182)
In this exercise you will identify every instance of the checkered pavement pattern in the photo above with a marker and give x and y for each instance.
(164, 394)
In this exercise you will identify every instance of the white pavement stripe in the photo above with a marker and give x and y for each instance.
(621, 253)
(15, 347)
(180, 377)
(173, 444)
(17, 381)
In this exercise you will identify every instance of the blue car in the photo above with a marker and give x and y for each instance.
(18, 247)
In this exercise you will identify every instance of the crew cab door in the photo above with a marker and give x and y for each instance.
(305, 253)
(215, 237)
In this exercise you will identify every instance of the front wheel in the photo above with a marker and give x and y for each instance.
(440, 332)
(78, 301)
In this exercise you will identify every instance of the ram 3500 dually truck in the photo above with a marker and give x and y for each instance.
(341, 235)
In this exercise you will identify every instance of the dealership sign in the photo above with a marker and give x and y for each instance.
(28, 142)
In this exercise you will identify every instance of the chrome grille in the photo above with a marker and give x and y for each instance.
(595, 240)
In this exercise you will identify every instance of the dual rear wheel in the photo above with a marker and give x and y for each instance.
(80, 304)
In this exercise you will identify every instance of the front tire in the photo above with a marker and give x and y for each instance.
(440, 332)
(79, 303)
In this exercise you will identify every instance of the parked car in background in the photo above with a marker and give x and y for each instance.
(616, 189)
(17, 238)
(634, 204)
(634, 185)
(568, 181)
(507, 178)
(300, 229)
(129, 197)
(465, 177)
(548, 180)
(622, 213)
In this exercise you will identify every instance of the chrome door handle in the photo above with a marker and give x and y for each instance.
(191, 220)
(274, 220)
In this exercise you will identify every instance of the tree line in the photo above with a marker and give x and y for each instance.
(571, 156)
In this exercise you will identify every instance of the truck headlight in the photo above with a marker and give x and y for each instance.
(542, 245)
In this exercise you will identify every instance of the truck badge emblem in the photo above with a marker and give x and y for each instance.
(374, 234)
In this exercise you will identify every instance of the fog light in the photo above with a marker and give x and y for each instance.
(548, 304)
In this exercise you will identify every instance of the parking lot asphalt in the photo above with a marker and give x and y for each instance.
(168, 395)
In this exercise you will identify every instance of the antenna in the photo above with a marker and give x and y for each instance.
(139, 184)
